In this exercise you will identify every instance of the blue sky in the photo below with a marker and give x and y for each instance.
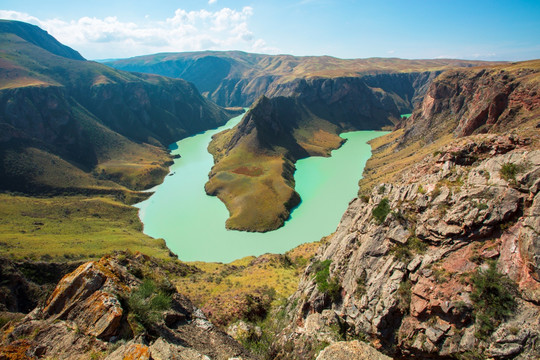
(413, 29)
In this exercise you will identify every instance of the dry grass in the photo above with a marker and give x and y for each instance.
(387, 161)
(255, 197)
(215, 287)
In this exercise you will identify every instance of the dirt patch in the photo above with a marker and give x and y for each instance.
(252, 171)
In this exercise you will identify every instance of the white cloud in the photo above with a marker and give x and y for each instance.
(110, 37)
(212, 2)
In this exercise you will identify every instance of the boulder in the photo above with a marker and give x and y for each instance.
(347, 350)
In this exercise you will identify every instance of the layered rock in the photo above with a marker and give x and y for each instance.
(91, 312)
(404, 277)
(480, 100)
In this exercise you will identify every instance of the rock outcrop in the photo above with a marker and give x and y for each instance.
(407, 264)
(120, 307)
(479, 100)
(350, 350)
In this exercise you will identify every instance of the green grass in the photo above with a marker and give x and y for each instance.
(71, 227)
(147, 303)
(509, 171)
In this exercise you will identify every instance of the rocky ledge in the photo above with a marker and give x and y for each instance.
(445, 263)
(120, 307)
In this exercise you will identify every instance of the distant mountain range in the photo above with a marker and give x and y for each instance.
(235, 78)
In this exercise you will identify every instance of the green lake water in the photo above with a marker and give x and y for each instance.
(193, 223)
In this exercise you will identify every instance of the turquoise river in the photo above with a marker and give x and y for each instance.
(193, 223)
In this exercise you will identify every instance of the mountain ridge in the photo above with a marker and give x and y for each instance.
(243, 77)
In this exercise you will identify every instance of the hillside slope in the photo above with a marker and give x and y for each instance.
(63, 117)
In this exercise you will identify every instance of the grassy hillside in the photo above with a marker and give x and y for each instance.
(65, 228)
(100, 124)
(78, 141)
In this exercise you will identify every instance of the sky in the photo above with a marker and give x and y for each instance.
(410, 29)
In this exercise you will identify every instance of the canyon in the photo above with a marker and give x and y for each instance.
(437, 257)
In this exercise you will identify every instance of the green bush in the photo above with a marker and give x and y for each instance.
(404, 296)
(147, 303)
(509, 171)
(493, 299)
(325, 284)
(322, 272)
(382, 210)
(405, 252)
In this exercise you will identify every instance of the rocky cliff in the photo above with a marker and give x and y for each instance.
(120, 307)
(480, 100)
(441, 262)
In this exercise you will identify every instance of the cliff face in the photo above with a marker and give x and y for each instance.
(409, 264)
(482, 100)
(236, 78)
(117, 308)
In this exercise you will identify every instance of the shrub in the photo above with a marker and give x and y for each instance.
(322, 272)
(147, 302)
(404, 296)
(382, 210)
(405, 252)
(325, 284)
(509, 171)
(493, 299)
(364, 198)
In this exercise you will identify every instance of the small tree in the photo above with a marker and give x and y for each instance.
(493, 299)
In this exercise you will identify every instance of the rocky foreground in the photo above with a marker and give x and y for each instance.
(444, 263)
(120, 307)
